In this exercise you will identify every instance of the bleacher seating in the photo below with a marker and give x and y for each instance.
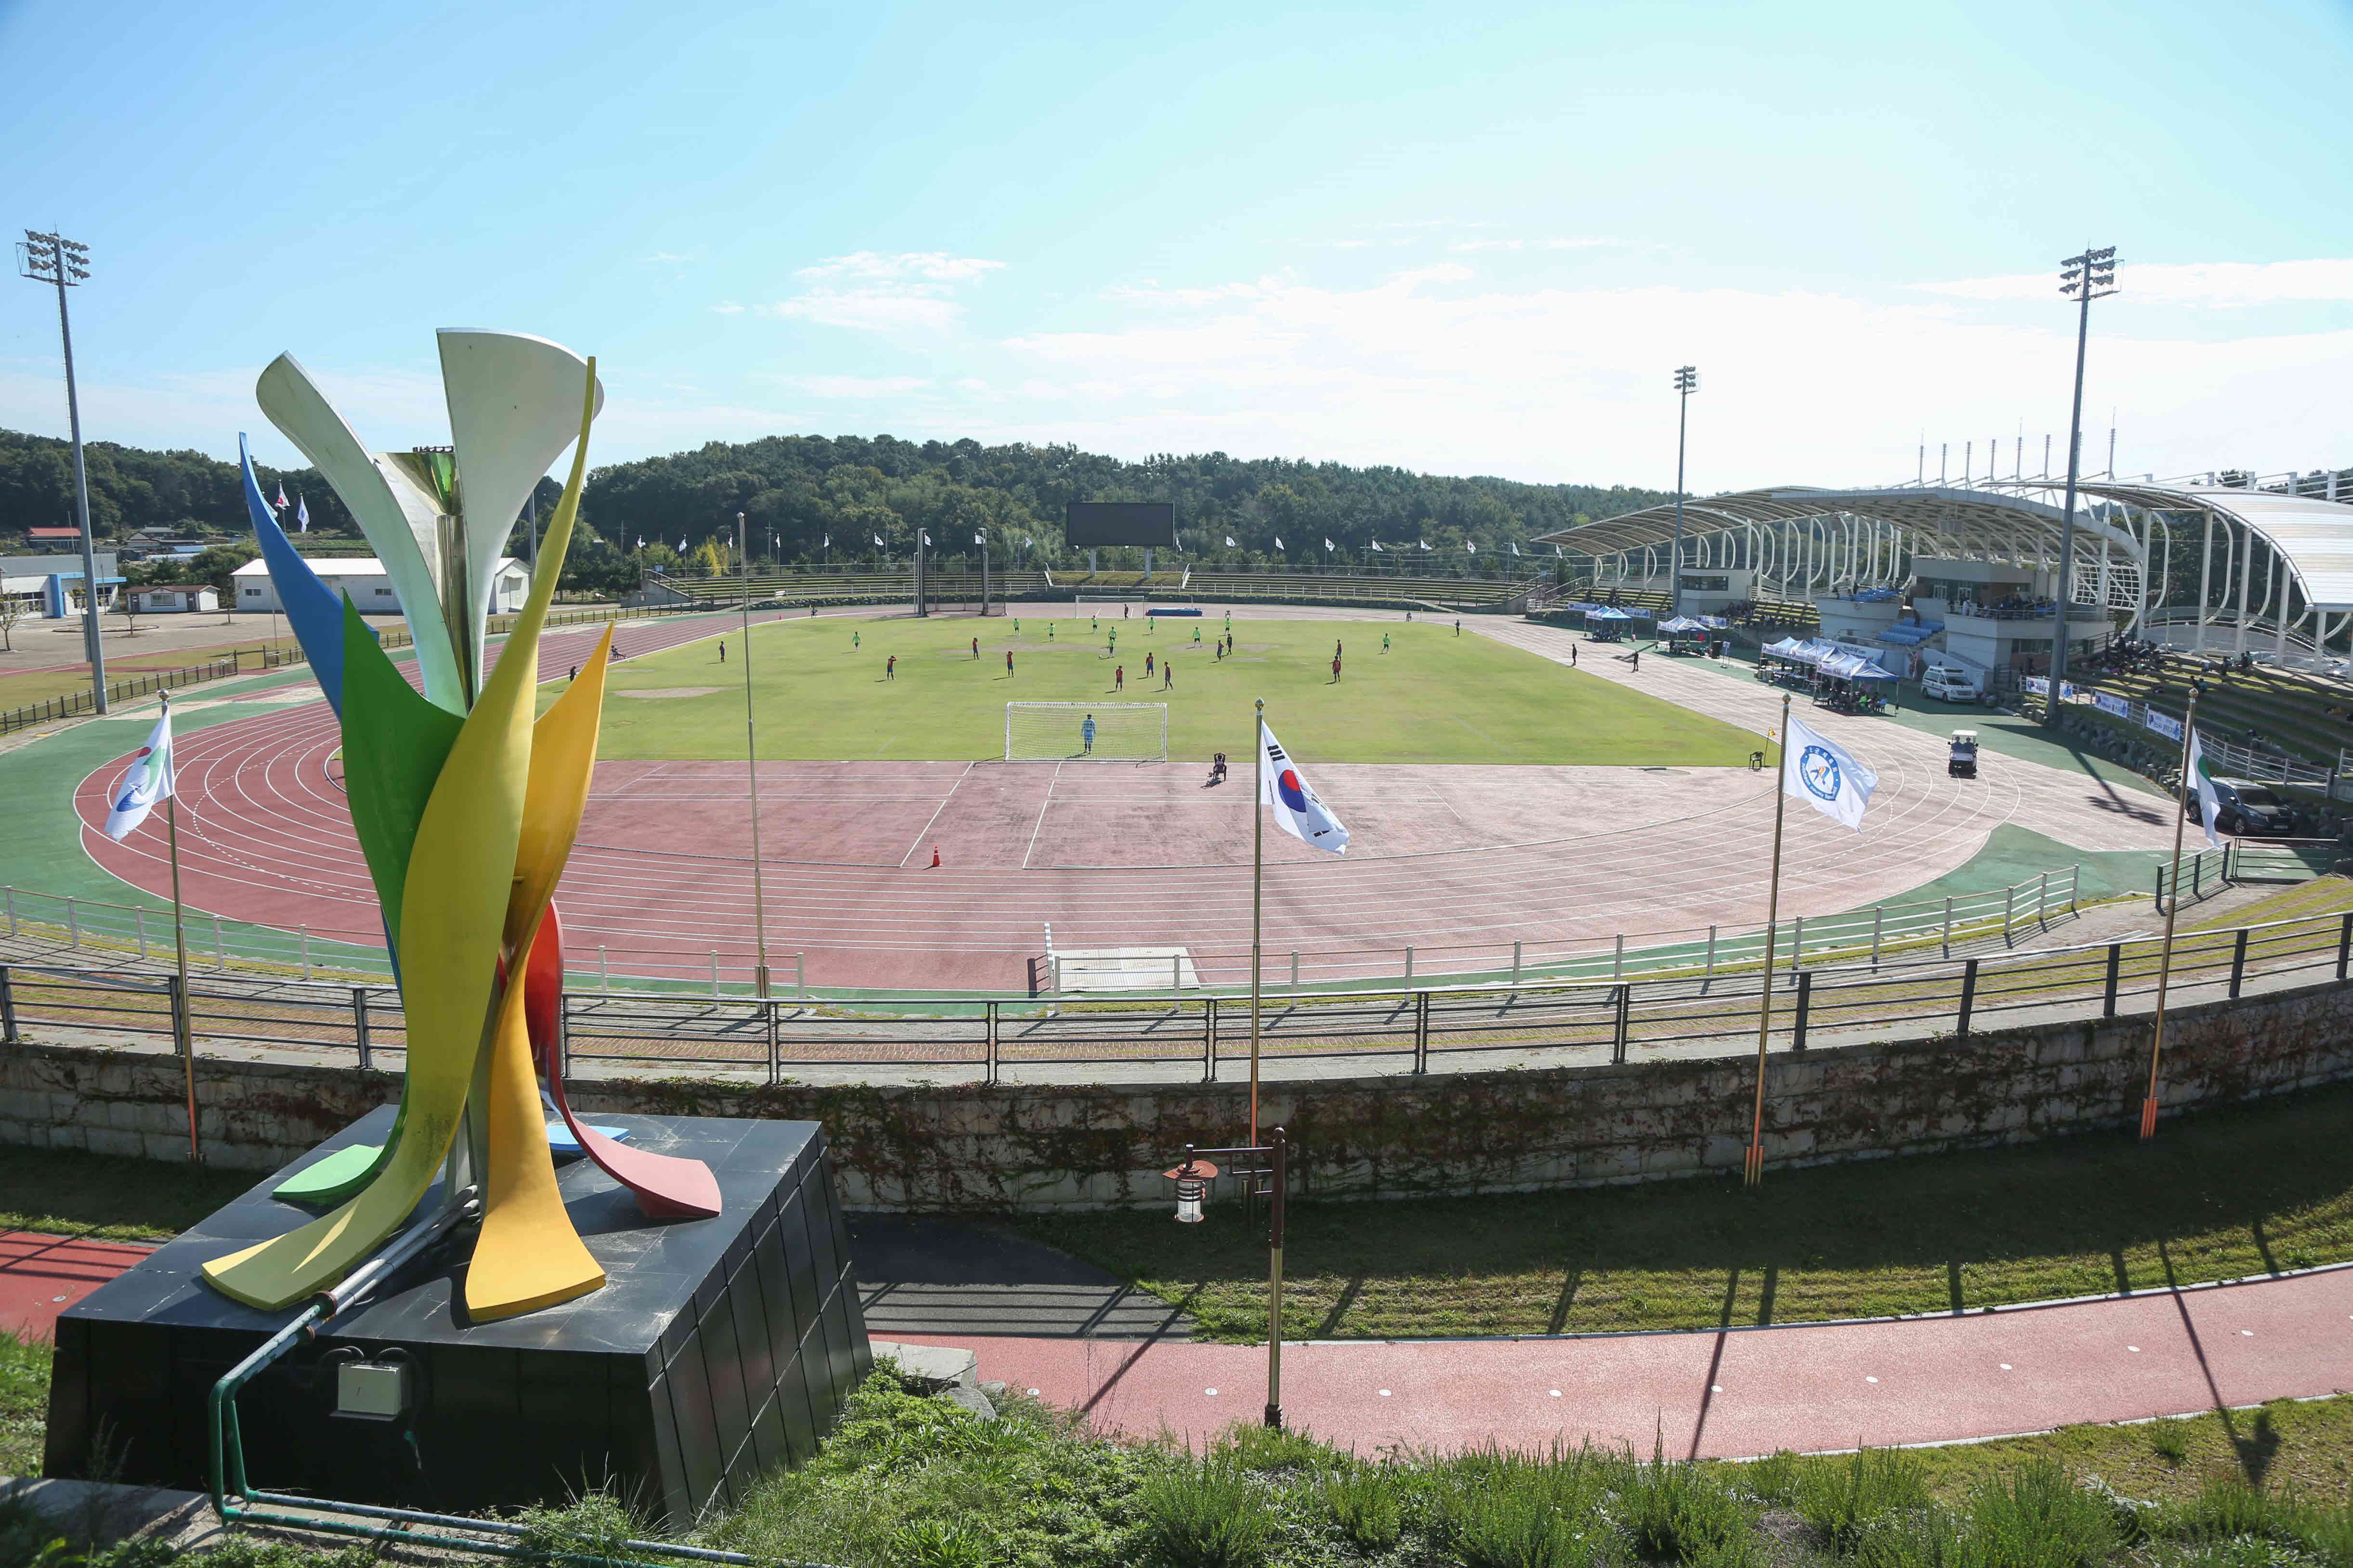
(2306, 718)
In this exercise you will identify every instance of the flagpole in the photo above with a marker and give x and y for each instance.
(1754, 1169)
(185, 1036)
(2172, 907)
(1257, 879)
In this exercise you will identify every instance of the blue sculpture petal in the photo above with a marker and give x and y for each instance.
(312, 607)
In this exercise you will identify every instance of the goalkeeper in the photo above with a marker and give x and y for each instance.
(1087, 733)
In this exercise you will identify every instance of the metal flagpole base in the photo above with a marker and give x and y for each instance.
(2148, 1117)
(1752, 1169)
(1274, 1416)
(760, 978)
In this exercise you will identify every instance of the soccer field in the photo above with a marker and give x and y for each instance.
(1433, 698)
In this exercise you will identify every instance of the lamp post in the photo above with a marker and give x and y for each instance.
(751, 774)
(1264, 1171)
(54, 259)
(2089, 277)
(1686, 382)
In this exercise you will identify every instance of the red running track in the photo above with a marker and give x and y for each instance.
(1730, 1394)
(1458, 863)
(41, 1276)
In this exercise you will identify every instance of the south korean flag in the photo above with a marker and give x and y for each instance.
(1298, 809)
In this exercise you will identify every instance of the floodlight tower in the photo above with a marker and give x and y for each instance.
(2088, 277)
(1686, 382)
(55, 259)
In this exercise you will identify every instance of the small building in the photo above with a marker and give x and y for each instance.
(174, 598)
(364, 580)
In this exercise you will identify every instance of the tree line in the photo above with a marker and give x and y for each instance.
(810, 498)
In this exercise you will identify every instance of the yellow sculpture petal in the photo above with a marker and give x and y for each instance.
(529, 1255)
(453, 916)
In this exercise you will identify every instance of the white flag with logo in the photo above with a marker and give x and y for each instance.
(1278, 542)
(1825, 775)
(1376, 544)
(148, 781)
(1329, 545)
(1298, 809)
(1229, 542)
(2209, 802)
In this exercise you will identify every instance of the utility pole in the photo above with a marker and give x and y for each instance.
(1686, 382)
(55, 259)
(2089, 277)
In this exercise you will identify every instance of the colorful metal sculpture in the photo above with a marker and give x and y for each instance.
(465, 809)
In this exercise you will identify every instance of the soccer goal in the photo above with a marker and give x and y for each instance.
(1086, 731)
(1127, 598)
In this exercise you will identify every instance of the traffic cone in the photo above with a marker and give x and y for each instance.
(935, 854)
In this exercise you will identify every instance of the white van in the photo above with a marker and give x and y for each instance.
(1949, 683)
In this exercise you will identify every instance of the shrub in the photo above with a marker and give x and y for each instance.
(2039, 1518)
(1207, 1515)
(1367, 1504)
(1840, 1498)
(1677, 1510)
(931, 1543)
(1502, 1508)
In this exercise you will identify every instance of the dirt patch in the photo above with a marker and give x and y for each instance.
(671, 691)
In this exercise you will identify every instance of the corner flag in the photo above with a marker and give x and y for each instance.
(2209, 802)
(1826, 775)
(148, 781)
(1298, 809)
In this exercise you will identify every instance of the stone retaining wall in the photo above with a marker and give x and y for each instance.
(976, 1147)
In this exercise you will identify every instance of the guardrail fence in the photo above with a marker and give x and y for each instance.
(354, 955)
(1431, 1029)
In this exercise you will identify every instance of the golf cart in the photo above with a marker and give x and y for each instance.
(1963, 761)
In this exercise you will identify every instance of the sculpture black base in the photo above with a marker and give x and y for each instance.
(717, 1350)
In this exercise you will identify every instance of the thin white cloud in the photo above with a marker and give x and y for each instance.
(857, 386)
(906, 295)
(1487, 244)
(728, 308)
(932, 266)
(1572, 383)
(2219, 284)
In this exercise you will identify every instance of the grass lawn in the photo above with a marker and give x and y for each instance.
(67, 1192)
(1433, 697)
(2220, 1194)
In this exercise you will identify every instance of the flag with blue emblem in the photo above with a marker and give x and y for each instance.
(1826, 775)
(1298, 809)
(148, 781)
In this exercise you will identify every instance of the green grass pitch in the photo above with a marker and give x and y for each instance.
(1433, 698)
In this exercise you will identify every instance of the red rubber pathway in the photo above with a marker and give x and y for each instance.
(1729, 1394)
(1809, 1387)
(41, 1276)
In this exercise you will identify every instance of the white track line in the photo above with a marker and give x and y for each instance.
(918, 844)
(1041, 823)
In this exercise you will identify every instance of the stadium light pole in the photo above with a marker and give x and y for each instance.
(1686, 382)
(751, 773)
(54, 259)
(2088, 277)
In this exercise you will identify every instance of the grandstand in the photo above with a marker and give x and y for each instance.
(864, 587)
(2274, 713)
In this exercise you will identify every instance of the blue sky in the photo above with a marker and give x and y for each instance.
(1460, 238)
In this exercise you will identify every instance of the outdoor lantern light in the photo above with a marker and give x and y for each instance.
(1192, 1178)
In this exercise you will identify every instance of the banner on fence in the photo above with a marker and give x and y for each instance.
(2164, 724)
(2109, 702)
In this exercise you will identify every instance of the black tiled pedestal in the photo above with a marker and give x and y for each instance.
(717, 1350)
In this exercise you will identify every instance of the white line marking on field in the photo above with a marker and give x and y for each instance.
(1041, 815)
(918, 844)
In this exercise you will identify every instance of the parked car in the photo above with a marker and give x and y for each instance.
(2246, 807)
(1948, 683)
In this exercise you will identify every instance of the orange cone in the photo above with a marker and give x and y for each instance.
(935, 854)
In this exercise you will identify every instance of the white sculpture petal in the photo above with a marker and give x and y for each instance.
(514, 407)
(395, 515)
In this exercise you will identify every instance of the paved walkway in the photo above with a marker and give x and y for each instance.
(1079, 1339)
(41, 1276)
(1735, 1393)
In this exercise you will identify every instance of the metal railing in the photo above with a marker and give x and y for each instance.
(1185, 1036)
(1997, 918)
(66, 705)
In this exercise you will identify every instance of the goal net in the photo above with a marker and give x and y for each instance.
(1130, 596)
(1086, 731)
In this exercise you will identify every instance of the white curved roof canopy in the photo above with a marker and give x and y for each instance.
(1938, 520)
(2314, 536)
